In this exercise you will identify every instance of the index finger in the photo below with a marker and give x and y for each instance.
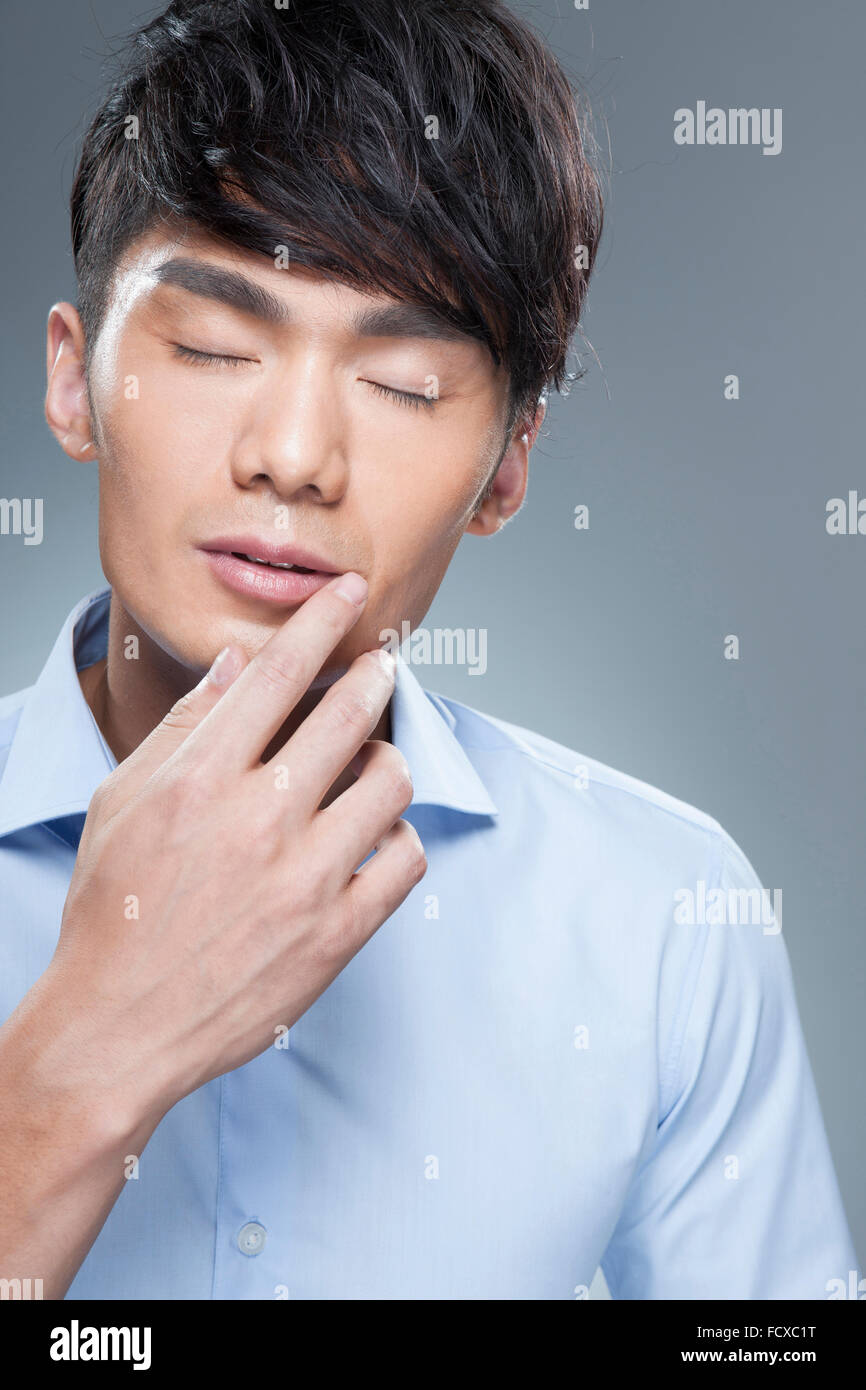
(256, 706)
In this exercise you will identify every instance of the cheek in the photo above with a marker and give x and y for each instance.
(170, 420)
(424, 500)
(415, 522)
(161, 442)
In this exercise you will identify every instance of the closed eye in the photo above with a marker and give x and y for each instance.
(207, 359)
(218, 359)
(410, 398)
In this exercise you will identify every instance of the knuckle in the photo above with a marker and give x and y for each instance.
(415, 858)
(182, 713)
(267, 834)
(183, 786)
(353, 924)
(398, 779)
(352, 708)
(102, 800)
(101, 795)
(330, 940)
(281, 670)
(308, 877)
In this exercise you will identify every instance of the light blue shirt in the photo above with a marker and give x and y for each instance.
(538, 1064)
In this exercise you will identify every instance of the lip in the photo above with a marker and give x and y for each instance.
(257, 581)
(271, 550)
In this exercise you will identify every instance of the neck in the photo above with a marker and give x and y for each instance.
(128, 698)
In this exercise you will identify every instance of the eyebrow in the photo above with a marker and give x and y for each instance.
(400, 319)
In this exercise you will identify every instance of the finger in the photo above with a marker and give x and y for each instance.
(266, 692)
(321, 748)
(362, 816)
(184, 716)
(378, 889)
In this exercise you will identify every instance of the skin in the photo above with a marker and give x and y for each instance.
(373, 484)
(248, 901)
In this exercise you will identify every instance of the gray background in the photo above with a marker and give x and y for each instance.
(707, 517)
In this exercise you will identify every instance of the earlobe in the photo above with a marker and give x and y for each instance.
(507, 492)
(71, 445)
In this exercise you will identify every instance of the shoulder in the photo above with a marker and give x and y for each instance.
(526, 767)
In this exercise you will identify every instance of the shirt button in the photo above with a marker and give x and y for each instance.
(251, 1238)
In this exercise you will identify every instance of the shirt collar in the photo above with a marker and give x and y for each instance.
(58, 755)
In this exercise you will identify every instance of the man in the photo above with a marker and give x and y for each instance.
(330, 258)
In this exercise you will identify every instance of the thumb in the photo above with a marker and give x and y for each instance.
(185, 715)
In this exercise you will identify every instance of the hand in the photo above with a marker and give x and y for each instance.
(213, 898)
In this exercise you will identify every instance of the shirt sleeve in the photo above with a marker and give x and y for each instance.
(738, 1197)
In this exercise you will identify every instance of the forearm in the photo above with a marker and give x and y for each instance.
(65, 1142)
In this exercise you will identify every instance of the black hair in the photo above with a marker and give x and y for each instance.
(427, 148)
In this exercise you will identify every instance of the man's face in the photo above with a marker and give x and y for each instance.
(275, 419)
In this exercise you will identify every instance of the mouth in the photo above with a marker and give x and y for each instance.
(273, 564)
(265, 570)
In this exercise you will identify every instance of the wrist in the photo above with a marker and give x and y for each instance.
(75, 1078)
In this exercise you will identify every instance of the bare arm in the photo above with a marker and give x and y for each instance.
(65, 1138)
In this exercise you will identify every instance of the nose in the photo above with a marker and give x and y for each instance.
(296, 440)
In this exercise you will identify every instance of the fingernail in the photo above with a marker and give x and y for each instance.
(353, 587)
(224, 667)
(387, 660)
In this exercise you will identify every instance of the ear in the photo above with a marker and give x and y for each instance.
(66, 406)
(508, 488)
